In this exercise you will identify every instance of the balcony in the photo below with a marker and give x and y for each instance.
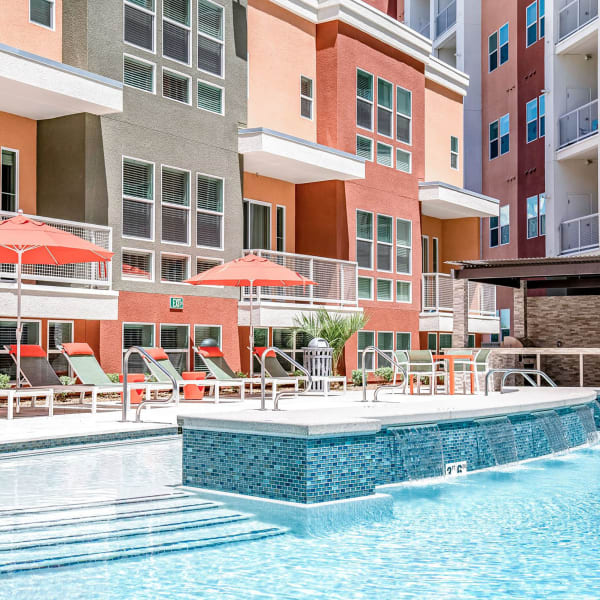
(336, 289)
(575, 15)
(425, 30)
(74, 291)
(578, 124)
(438, 310)
(445, 19)
(579, 235)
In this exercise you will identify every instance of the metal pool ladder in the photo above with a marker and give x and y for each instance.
(281, 394)
(174, 397)
(392, 360)
(524, 372)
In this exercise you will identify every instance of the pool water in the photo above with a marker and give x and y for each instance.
(526, 532)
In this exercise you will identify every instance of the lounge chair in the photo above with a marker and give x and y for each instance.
(421, 364)
(401, 357)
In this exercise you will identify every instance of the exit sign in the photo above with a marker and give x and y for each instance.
(176, 303)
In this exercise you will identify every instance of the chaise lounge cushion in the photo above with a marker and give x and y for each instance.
(157, 353)
(78, 349)
(258, 350)
(28, 350)
(210, 352)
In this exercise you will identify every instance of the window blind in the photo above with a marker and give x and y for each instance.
(137, 219)
(201, 333)
(176, 42)
(384, 154)
(177, 10)
(364, 147)
(210, 193)
(365, 291)
(173, 268)
(139, 28)
(403, 291)
(402, 160)
(174, 337)
(147, 4)
(40, 11)
(138, 74)
(175, 187)
(59, 333)
(175, 225)
(210, 19)
(137, 179)
(176, 87)
(210, 97)
(208, 230)
(384, 289)
(137, 265)
(137, 334)
(204, 264)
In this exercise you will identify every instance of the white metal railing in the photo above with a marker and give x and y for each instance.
(337, 280)
(575, 15)
(578, 123)
(579, 234)
(482, 299)
(437, 292)
(445, 18)
(79, 275)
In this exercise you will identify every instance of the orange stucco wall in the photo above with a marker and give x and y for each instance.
(281, 48)
(275, 192)
(443, 119)
(18, 32)
(19, 133)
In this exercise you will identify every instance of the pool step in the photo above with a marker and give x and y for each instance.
(129, 527)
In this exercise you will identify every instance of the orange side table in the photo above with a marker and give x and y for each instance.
(135, 395)
(451, 358)
(191, 391)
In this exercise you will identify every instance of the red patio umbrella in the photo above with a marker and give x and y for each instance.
(24, 241)
(250, 271)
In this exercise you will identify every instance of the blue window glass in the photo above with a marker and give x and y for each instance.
(542, 18)
(493, 232)
(494, 140)
(532, 23)
(493, 51)
(503, 44)
(532, 120)
(504, 224)
(542, 110)
(532, 217)
(504, 134)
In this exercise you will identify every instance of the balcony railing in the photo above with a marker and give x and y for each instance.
(445, 18)
(578, 124)
(438, 296)
(575, 15)
(78, 275)
(336, 280)
(577, 235)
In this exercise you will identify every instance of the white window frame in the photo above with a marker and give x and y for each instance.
(53, 17)
(193, 340)
(391, 165)
(490, 139)
(359, 352)
(210, 212)
(372, 240)
(378, 279)
(311, 99)
(455, 154)
(372, 101)
(186, 352)
(500, 225)
(248, 232)
(284, 236)
(179, 74)
(214, 85)
(435, 335)
(500, 136)
(23, 321)
(425, 251)
(364, 137)
(540, 214)
(178, 206)
(177, 24)
(536, 216)
(138, 251)
(409, 334)
(175, 255)
(16, 151)
(409, 117)
(528, 121)
(496, 228)
(497, 51)
(391, 351)
(140, 60)
(435, 254)
(153, 325)
(410, 295)
(390, 110)
(541, 100)
(50, 351)
(214, 39)
(501, 45)
(218, 261)
(371, 297)
(150, 12)
(399, 245)
(135, 199)
(390, 245)
(409, 161)
(534, 24)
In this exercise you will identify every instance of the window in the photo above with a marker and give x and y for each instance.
(364, 147)
(201, 333)
(385, 343)
(445, 340)
(432, 342)
(385, 240)
(403, 246)
(542, 20)
(137, 334)
(41, 12)
(494, 232)
(209, 217)
(176, 87)
(138, 74)
(59, 332)
(257, 225)
(403, 115)
(210, 37)
(31, 335)
(532, 23)
(9, 179)
(291, 342)
(384, 290)
(384, 155)
(425, 254)
(365, 288)
(365, 339)
(504, 322)
(138, 26)
(494, 144)
(453, 152)
(500, 137)
(542, 213)
(531, 112)
(364, 239)
(306, 97)
(280, 229)
(174, 340)
(503, 44)
(385, 108)
(435, 255)
(532, 217)
(176, 30)
(504, 224)
(175, 188)
(261, 337)
(210, 97)
(403, 291)
(173, 268)
(402, 340)
(493, 51)
(204, 264)
(137, 265)
(138, 199)
(403, 160)
(364, 100)
(542, 115)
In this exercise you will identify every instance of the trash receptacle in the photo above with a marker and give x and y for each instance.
(135, 395)
(192, 391)
(318, 360)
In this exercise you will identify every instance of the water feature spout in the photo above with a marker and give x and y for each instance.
(418, 451)
(500, 435)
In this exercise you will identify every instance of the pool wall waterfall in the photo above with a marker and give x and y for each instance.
(334, 461)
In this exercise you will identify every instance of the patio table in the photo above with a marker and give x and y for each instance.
(451, 358)
(12, 393)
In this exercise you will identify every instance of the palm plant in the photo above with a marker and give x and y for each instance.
(334, 327)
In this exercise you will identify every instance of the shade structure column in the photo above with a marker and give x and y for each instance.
(19, 323)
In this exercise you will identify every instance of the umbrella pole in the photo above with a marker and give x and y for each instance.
(251, 340)
(18, 332)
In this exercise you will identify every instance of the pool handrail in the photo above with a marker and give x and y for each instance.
(174, 397)
(524, 372)
(262, 357)
(392, 360)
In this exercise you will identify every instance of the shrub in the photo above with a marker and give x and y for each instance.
(299, 373)
(4, 381)
(385, 373)
(241, 375)
(114, 377)
(357, 377)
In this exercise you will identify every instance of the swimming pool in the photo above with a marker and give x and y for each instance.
(525, 532)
